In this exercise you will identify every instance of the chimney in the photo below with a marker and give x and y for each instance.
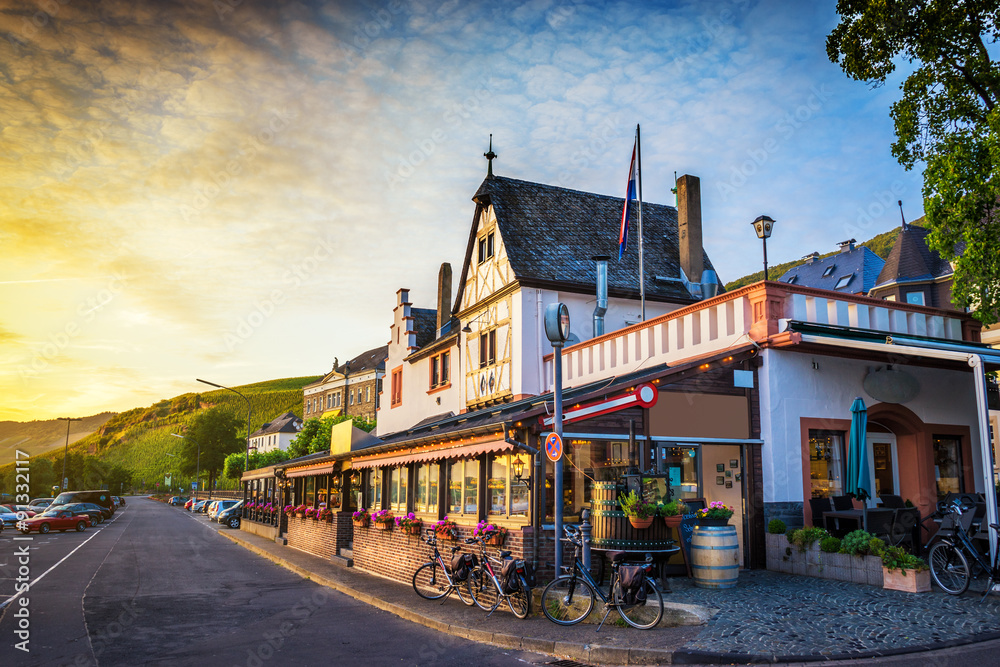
(689, 227)
(444, 297)
(601, 307)
(848, 245)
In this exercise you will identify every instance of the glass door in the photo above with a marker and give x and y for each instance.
(884, 467)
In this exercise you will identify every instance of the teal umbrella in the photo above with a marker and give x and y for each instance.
(859, 481)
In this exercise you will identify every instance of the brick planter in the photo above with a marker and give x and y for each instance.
(320, 538)
(785, 557)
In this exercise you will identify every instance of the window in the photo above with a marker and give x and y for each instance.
(505, 495)
(309, 498)
(915, 298)
(337, 400)
(829, 271)
(948, 465)
(426, 499)
(368, 394)
(397, 488)
(373, 495)
(440, 370)
(463, 487)
(396, 388)
(352, 397)
(792, 280)
(889, 297)
(826, 463)
(843, 282)
(485, 247)
(487, 348)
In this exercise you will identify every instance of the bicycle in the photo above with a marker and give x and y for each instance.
(488, 591)
(568, 599)
(949, 558)
(434, 581)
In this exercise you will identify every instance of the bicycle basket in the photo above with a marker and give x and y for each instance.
(461, 564)
(508, 576)
(632, 579)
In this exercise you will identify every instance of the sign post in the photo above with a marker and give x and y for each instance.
(557, 331)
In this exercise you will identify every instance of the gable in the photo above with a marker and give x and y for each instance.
(488, 269)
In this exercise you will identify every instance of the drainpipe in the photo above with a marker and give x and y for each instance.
(602, 294)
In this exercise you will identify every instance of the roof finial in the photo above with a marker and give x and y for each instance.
(489, 159)
(900, 202)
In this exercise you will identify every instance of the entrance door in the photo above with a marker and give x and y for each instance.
(883, 464)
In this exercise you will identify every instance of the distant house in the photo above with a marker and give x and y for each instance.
(853, 270)
(276, 434)
(350, 389)
(913, 273)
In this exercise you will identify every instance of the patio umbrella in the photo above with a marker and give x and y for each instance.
(859, 481)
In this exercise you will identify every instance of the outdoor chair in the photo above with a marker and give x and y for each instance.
(892, 502)
(819, 507)
(842, 503)
(878, 522)
(905, 530)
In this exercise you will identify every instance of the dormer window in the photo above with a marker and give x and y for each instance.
(792, 280)
(829, 271)
(485, 247)
(843, 282)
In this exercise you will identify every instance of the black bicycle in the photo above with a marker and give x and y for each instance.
(955, 561)
(436, 579)
(569, 599)
(498, 579)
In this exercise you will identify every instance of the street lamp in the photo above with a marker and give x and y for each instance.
(246, 459)
(64, 483)
(763, 226)
(197, 473)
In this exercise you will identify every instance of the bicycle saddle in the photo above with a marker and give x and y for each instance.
(617, 556)
(504, 554)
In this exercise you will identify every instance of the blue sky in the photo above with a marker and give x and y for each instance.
(236, 191)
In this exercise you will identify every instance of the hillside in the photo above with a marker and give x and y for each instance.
(139, 440)
(880, 245)
(39, 437)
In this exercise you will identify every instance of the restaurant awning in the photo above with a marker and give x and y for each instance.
(462, 451)
(324, 469)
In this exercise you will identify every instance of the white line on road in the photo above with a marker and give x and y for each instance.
(3, 605)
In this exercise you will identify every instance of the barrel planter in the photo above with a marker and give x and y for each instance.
(715, 556)
(611, 528)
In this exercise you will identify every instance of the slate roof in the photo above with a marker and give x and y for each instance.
(286, 423)
(911, 260)
(368, 360)
(861, 263)
(424, 325)
(552, 233)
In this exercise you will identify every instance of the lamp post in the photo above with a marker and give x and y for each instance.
(246, 459)
(763, 226)
(197, 473)
(64, 482)
(557, 331)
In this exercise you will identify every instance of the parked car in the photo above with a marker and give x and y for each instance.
(230, 516)
(54, 519)
(190, 502)
(200, 506)
(94, 512)
(178, 501)
(102, 498)
(30, 511)
(41, 502)
(218, 506)
(8, 517)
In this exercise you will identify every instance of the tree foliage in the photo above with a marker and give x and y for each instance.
(233, 468)
(212, 435)
(946, 118)
(316, 433)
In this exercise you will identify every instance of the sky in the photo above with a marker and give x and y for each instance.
(235, 190)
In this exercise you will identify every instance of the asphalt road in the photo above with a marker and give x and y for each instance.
(159, 586)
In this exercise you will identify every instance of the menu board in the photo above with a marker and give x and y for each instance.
(686, 531)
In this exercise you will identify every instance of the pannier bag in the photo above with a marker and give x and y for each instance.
(509, 575)
(461, 564)
(529, 575)
(632, 579)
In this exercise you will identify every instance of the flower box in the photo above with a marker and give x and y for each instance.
(908, 581)
(383, 525)
(360, 523)
(412, 529)
(444, 534)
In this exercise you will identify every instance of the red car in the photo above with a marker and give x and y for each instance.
(61, 520)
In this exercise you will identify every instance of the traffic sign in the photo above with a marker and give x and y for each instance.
(553, 447)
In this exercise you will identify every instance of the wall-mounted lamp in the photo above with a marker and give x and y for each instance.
(518, 465)
(467, 328)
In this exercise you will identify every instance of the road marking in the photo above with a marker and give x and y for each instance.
(3, 605)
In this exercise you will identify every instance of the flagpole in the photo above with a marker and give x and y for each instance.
(642, 279)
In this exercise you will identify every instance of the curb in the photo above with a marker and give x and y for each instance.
(594, 653)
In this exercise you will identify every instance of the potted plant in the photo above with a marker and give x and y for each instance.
(639, 512)
(360, 518)
(324, 514)
(895, 563)
(409, 523)
(446, 529)
(289, 510)
(673, 513)
(311, 513)
(716, 514)
(492, 534)
(300, 511)
(383, 520)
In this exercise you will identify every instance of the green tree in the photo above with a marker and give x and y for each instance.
(233, 467)
(42, 477)
(217, 432)
(947, 118)
(315, 434)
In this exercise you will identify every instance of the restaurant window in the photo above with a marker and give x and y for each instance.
(373, 494)
(463, 488)
(322, 483)
(505, 494)
(427, 488)
(397, 488)
(487, 348)
(948, 465)
(678, 463)
(826, 463)
(310, 492)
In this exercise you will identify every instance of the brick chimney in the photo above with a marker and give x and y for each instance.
(444, 297)
(689, 227)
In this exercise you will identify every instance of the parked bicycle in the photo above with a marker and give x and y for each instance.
(436, 579)
(570, 598)
(955, 561)
(499, 578)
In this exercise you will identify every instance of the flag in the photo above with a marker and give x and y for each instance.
(630, 194)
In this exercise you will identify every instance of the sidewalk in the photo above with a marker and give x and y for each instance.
(768, 617)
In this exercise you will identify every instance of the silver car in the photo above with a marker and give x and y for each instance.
(218, 506)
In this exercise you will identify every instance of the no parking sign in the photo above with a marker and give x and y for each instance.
(553, 447)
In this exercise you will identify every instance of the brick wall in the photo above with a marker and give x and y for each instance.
(320, 538)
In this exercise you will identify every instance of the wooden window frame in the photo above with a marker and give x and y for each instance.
(396, 388)
(439, 371)
(487, 348)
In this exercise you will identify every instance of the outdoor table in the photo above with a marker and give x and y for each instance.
(857, 516)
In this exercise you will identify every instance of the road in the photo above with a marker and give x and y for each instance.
(159, 586)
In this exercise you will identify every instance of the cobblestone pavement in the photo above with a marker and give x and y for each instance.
(774, 614)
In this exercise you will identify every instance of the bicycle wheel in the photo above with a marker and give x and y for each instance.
(567, 600)
(482, 589)
(949, 568)
(462, 591)
(520, 600)
(643, 615)
(430, 582)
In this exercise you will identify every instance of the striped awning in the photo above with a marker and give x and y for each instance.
(324, 469)
(460, 452)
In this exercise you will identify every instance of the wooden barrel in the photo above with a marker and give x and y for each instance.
(612, 529)
(715, 556)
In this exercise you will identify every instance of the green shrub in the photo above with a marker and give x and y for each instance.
(876, 546)
(776, 527)
(805, 537)
(896, 558)
(830, 545)
(856, 543)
